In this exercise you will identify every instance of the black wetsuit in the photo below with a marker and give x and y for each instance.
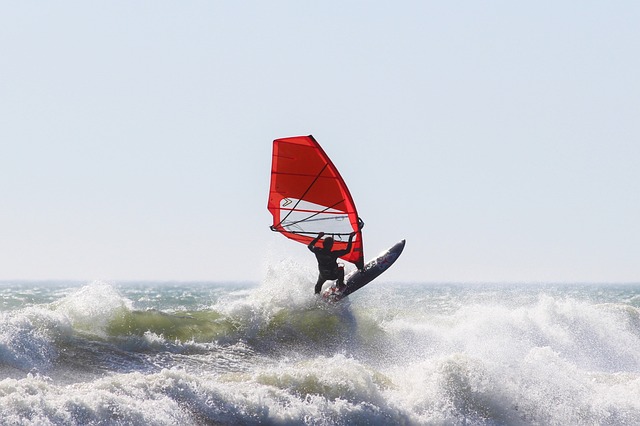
(327, 263)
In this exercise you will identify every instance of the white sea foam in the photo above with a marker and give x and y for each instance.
(92, 307)
(414, 355)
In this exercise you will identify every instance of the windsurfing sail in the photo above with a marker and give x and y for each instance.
(308, 196)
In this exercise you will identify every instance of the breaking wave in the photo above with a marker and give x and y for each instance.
(275, 354)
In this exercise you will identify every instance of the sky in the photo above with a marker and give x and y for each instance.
(501, 139)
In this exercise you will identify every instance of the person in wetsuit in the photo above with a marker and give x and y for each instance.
(327, 261)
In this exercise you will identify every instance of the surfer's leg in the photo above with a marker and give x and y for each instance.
(340, 280)
(319, 283)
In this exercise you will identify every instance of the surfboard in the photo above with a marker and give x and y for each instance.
(359, 278)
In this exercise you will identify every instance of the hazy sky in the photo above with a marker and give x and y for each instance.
(501, 139)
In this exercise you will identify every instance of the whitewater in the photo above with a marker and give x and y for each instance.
(110, 353)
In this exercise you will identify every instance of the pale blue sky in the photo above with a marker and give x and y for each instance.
(501, 139)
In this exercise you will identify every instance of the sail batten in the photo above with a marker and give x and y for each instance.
(307, 196)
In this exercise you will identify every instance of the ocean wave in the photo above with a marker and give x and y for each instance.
(27, 339)
(261, 355)
(323, 391)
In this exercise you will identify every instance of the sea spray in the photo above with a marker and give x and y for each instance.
(92, 307)
(27, 339)
(206, 353)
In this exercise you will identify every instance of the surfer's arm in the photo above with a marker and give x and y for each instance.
(313, 242)
(348, 248)
(350, 244)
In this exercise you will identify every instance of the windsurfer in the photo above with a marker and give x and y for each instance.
(327, 261)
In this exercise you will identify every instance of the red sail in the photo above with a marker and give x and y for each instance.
(308, 196)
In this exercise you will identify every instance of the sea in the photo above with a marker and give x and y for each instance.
(272, 353)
